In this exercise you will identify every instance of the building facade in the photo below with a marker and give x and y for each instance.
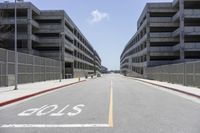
(48, 33)
(167, 33)
(104, 69)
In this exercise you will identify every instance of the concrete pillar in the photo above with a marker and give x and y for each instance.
(33, 64)
(129, 65)
(73, 70)
(29, 31)
(182, 46)
(6, 64)
(194, 74)
(63, 55)
(148, 36)
(45, 69)
(62, 37)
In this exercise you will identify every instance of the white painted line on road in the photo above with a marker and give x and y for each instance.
(51, 125)
(110, 117)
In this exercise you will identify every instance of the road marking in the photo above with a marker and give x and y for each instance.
(110, 117)
(52, 110)
(60, 113)
(40, 95)
(110, 120)
(37, 93)
(51, 125)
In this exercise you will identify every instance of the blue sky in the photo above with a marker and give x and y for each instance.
(107, 24)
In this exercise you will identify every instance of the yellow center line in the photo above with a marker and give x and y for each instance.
(110, 117)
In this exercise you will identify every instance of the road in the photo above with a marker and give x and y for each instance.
(109, 104)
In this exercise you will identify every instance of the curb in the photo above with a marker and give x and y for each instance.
(35, 94)
(170, 88)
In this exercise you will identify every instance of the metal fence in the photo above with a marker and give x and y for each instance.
(187, 73)
(30, 68)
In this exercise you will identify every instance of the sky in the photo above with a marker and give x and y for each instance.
(107, 24)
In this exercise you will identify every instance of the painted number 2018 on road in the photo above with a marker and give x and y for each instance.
(53, 110)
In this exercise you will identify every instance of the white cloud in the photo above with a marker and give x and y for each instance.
(97, 16)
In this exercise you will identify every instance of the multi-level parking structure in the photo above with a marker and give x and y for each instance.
(167, 33)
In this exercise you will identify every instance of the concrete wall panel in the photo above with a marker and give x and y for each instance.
(175, 73)
(30, 68)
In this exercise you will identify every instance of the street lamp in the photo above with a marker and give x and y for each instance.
(60, 53)
(15, 40)
(16, 56)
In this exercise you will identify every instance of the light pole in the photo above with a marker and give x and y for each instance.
(16, 55)
(60, 53)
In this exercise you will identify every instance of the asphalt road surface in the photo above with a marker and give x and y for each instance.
(109, 104)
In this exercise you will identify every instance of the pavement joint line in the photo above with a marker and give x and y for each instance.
(110, 117)
(35, 94)
(170, 88)
(52, 125)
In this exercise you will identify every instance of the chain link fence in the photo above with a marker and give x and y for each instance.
(30, 68)
(187, 73)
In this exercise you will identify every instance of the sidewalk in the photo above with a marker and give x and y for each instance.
(8, 95)
(192, 91)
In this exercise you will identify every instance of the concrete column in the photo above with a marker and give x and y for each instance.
(1, 76)
(63, 46)
(144, 72)
(29, 31)
(6, 63)
(63, 55)
(148, 36)
(182, 46)
(129, 64)
(73, 70)
(44, 69)
(32, 68)
(194, 74)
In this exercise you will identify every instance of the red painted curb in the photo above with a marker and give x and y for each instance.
(35, 94)
(170, 88)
